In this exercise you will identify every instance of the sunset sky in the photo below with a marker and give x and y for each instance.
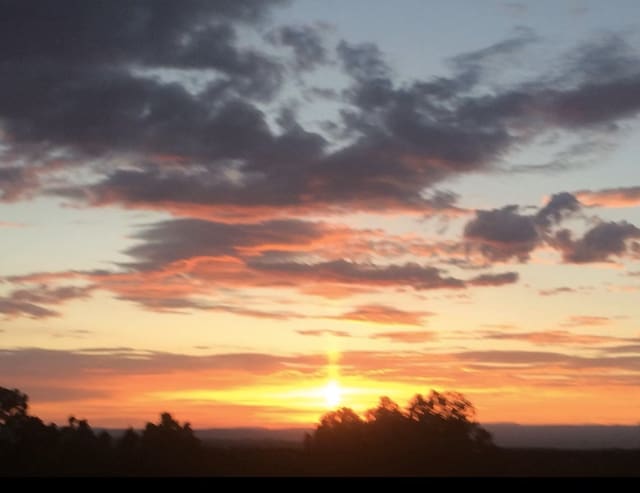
(246, 212)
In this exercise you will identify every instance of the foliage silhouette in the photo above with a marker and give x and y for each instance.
(433, 435)
(439, 428)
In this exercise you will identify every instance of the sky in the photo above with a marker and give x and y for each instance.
(249, 212)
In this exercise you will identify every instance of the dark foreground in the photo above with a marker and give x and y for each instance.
(434, 435)
(498, 462)
(241, 461)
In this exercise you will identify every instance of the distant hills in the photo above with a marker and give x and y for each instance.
(575, 437)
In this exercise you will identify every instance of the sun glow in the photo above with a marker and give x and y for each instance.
(332, 394)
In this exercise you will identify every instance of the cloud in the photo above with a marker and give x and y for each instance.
(382, 314)
(503, 234)
(13, 308)
(324, 332)
(598, 244)
(610, 197)
(150, 33)
(181, 265)
(368, 274)
(406, 336)
(558, 337)
(554, 291)
(306, 42)
(208, 149)
(500, 234)
(16, 182)
(494, 279)
(586, 320)
(626, 348)
(556, 209)
(27, 302)
(168, 241)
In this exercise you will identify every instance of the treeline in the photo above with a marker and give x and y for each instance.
(29, 447)
(437, 429)
(433, 435)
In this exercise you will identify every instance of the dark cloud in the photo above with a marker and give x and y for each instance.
(598, 244)
(363, 61)
(168, 241)
(494, 279)
(558, 206)
(500, 234)
(16, 182)
(189, 33)
(306, 42)
(94, 79)
(343, 271)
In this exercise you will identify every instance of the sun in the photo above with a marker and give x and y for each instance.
(332, 394)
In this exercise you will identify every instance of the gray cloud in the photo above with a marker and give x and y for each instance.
(503, 233)
(71, 87)
(494, 279)
(598, 244)
(558, 206)
(27, 302)
(343, 271)
(168, 241)
(189, 33)
(306, 42)
(14, 308)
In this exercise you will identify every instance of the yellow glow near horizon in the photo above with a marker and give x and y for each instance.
(332, 394)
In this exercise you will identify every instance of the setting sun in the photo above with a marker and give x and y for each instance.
(332, 394)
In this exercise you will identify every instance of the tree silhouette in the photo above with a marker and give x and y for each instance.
(438, 427)
(339, 430)
(12, 403)
(170, 447)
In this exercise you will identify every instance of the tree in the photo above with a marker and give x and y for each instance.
(169, 446)
(442, 423)
(12, 403)
(339, 430)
